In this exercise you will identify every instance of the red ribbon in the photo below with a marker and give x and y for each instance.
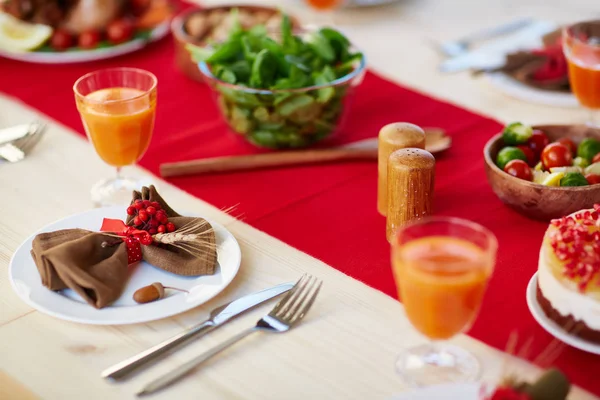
(133, 238)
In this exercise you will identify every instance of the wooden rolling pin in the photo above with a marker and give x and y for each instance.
(364, 150)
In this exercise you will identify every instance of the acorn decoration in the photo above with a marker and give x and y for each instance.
(153, 292)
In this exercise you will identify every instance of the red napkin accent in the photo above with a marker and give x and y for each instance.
(133, 238)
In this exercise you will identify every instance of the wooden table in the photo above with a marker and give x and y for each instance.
(347, 345)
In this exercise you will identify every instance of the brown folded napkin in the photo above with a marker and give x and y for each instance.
(95, 265)
(76, 259)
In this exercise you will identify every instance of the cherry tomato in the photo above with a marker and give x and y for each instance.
(538, 141)
(592, 179)
(569, 143)
(61, 40)
(531, 157)
(519, 169)
(596, 158)
(89, 39)
(119, 31)
(556, 155)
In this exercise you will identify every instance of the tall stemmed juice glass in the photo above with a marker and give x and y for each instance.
(441, 267)
(581, 45)
(117, 108)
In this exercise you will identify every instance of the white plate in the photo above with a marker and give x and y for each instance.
(81, 56)
(453, 391)
(67, 305)
(552, 327)
(518, 90)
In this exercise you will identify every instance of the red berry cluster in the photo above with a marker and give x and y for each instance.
(149, 216)
(576, 242)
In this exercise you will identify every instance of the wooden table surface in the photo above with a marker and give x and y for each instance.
(347, 345)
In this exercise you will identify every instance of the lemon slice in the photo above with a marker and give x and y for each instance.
(16, 35)
(553, 179)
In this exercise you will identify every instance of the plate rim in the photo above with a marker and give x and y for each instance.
(84, 56)
(498, 81)
(550, 326)
(45, 310)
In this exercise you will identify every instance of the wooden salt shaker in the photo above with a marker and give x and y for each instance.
(411, 174)
(394, 137)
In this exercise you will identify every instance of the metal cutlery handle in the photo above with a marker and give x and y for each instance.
(126, 367)
(186, 368)
(498, 30)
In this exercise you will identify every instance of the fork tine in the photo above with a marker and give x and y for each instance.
(293, 309)
(302, 312)
(294, 299)
(283, 309)
(31, 140)
(289, 294)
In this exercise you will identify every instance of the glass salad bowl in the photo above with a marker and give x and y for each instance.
(286, 118)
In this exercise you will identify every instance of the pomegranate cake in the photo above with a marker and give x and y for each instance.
(569, 273)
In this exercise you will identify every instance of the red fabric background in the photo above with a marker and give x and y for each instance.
(329, 211)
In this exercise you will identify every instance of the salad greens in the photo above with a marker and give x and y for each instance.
(517, 133)
(508, 154)
(269, 70)
(573, 179)
(588, 148)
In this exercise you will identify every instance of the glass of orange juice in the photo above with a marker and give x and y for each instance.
(581, 45)
(117, 108)
(441, 267)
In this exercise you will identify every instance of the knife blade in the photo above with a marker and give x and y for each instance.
(218, 317)
(13, 133)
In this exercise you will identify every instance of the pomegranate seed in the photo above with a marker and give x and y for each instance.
(130, 210)
(161, 229)
(138, 204)
(170, 227)
(137, 221)
(151, 210)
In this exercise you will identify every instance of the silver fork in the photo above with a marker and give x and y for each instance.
(17, 150)
(285, 315)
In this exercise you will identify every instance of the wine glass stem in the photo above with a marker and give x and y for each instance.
(592, 117)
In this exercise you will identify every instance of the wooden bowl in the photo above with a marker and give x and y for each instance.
(182, 37)
(532, 199)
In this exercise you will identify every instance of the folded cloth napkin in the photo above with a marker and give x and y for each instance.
(95, 264)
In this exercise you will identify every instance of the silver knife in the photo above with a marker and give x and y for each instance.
(218, 317)
(13, 133)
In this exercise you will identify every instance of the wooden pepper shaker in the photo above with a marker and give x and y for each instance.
(411, 174)
(394, 137)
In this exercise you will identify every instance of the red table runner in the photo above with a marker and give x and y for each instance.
(329, 211)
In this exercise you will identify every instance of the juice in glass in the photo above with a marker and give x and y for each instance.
(584, 76)
(117, 107)
(581, 46)
(441, 267)
(441, 281)
(119, 121)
